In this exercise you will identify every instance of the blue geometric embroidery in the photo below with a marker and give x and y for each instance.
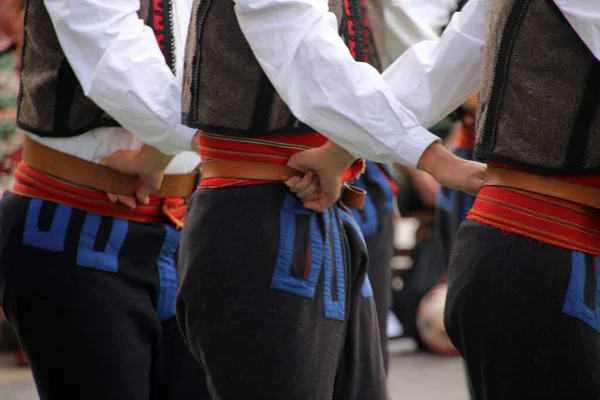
(52, 239)
(575, 304)
(282, 276)
(167, 274)
(107, 260)
(334, 309)
(324, 251)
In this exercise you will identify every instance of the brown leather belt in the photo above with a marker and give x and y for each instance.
(580, 194)
(98, 177)
(351, 197)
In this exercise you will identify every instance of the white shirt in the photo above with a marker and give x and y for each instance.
(121, 68)
(381, 119)
(298, 46)
(433, 13)
(403, 30)
(433, 78)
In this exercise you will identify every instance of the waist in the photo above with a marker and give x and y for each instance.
(76, 171)
(558, 210)
(35, 184)
(590, 180)
(100, 143)
(263, 150)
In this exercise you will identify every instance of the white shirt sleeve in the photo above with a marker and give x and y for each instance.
(433, 78)
(434, 13)
(298, 47)
(121, 68)
(584, 17)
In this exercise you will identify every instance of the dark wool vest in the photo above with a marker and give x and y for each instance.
(225, 89)
(540, 94)
(51, 101)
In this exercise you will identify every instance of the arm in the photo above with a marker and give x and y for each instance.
(433, 78)
(298, 46)
(584, 17)
(121, 68)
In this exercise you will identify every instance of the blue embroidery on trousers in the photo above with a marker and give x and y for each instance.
(325, 249)
(575, 304)
(167, 273)
(54, 238)
(108, 259)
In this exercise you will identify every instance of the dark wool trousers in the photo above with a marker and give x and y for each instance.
(525, 316)
(376, 221)
(92, 300)
(274, 302)
(380, 247)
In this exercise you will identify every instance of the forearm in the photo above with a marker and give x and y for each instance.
(433, 78)
(298, 46)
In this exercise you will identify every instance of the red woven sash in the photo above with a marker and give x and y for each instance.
(266, 149)
(31, 183)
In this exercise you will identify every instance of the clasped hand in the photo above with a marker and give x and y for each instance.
(324, 166)
(321, 184)
(148, 164)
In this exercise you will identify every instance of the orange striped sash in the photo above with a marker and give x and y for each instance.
(264, 149)
(547, 219)
(34, 184)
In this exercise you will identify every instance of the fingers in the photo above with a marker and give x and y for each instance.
(306, 188)
(304, 184)
(296, 161)
(112, 197)
(128, 201)
(292, 182)
(312, 192)
(150, 183)
(143, 195)
(319, 205)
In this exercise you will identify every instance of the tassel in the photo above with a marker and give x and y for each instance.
(174, 210)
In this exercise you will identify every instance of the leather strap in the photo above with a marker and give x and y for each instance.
(580, 194)
(354, 197)
(248, 170)
(99, 177)
(351, 197)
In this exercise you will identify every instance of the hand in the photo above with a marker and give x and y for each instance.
(452, 171)
(328, 163)
(148, 164)
(196, 141)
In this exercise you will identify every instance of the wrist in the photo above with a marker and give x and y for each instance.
(437, 161)
(339, 156)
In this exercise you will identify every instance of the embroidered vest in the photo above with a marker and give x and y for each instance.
(540, 95)
(51, 101)
(225, 89)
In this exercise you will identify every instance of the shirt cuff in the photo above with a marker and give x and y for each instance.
(413, 145)
(180, 140)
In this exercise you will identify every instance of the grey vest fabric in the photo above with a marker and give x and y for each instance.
(225, 90)
(540, 93)
(51, 102)
(377, 26)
